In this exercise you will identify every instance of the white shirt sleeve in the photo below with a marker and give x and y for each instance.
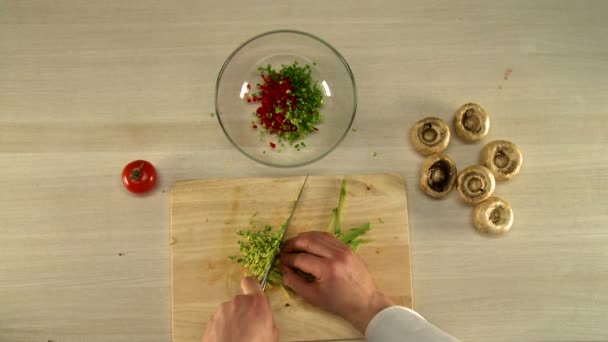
(400, 324)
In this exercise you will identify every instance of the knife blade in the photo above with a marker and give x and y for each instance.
(286, 225)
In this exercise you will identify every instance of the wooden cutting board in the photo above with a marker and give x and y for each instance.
(205, 215)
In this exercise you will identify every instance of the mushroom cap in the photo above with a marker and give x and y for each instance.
(430, 135)
(493, 216)
(471, 122)
(475, 184)
(503, 158)
(438, 175)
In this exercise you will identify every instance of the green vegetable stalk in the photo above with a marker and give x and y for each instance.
(259, 245)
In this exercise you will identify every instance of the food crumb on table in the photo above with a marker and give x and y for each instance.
(508, 72)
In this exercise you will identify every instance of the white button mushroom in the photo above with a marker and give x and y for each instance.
(493, 216)
(475, 184)
(503, 158)
(430, 135)
(471, 122)
(438, 175)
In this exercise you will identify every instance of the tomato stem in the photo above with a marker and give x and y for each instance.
(136, 173)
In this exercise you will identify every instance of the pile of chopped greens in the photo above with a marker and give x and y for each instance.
(260, 245)
(289, 102)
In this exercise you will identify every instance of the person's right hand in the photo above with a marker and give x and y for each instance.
(342, 283)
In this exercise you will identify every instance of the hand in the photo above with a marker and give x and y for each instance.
(246, 317)
(342, 283)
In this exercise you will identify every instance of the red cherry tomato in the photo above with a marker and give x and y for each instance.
(139, 176)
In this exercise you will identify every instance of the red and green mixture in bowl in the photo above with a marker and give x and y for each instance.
(285, 98)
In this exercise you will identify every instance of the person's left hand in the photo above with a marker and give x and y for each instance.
(247, 317)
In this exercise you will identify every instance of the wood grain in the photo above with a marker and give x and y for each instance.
(87, 86)
(205, 215)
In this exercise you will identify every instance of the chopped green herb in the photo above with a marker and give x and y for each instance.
(212, 114)
(258, 247)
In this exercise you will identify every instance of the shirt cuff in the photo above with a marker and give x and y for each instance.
(400, 315)
(398, 324)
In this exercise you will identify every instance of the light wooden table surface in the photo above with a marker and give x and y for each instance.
(87, 86)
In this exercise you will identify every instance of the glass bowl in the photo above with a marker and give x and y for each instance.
(239, 77)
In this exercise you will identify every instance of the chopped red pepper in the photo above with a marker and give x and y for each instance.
(255, 126)
(275, 98)
(273, 145)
